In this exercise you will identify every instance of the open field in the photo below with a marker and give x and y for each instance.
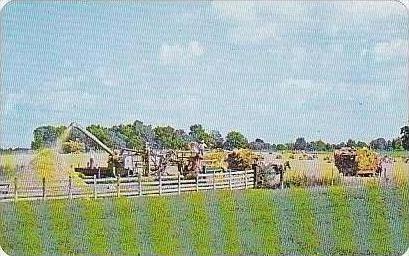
(299, 221)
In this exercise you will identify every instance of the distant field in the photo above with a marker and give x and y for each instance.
(300, 221)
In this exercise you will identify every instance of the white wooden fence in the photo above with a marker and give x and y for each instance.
(128, 186)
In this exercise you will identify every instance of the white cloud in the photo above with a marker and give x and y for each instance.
(254, 33)
(391, 49)
(180, 53)
(235, 10)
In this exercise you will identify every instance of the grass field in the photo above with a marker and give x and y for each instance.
(257, 222)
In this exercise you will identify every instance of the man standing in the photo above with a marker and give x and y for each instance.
(202, 146)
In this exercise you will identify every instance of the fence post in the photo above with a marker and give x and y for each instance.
(160, 183)
(70, 187)
(230, 185)
(15, 188)
(255, 179)
(197, 183)
(118, 189)
(140, 183)
(95, 186)
(179, 183)
(281, 178)
(43, 188)
(245, 180)
(214, 179)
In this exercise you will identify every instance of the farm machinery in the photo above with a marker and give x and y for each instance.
(131, 162)
(357, 162)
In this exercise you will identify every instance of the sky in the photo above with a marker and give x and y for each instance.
(275, 70)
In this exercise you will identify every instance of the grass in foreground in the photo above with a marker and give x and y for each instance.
(61, 226)
(93, 216)
(162, 225)
(127, 226)
(380, 237)
(200, 223)
(307, 235)
(228, 214)
(28, 228)
(345, 243)
(265, 219)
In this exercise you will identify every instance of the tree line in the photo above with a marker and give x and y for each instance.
(135, 135)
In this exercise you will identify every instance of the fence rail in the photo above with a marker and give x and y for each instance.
(127, 186)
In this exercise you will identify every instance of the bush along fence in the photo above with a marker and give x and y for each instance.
(74, 187)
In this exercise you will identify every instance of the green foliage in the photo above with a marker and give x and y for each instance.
(266, 221)
(97, 235)
(28, 228)
(300, 144)
(380, 236)
(235, 139)
(307, 235)
(345, 242)
(228, 214)
(46, 136)
(61, 226)
(160, 224)
(8, 165)
(403, 192)
(198, 133)
(200, 223)
(128, 235)
(102, 133)
(161, 230)
(405, 137)
(168, 138)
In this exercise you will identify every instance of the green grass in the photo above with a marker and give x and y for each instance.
(199, 223)
(228, 214)
(8, 161)
(28, 229)
(61, 226)
(127, 226)
(93, 217)
(380, 236)
(5, 241)
(404, 198)
(307, 235)
(81, 226)
(264, 217)
(162, 227)
(344, 227)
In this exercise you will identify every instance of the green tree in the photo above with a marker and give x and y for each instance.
(102, 133)
(235, 139)
(168, 138)
(404, 131)
(281, 147)
(46, 136)
(318, 145)
(361, 144)
(300, 144)
(397, 144)
(198, 133)
(217, 139)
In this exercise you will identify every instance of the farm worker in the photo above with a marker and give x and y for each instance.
(202, 145)
(194, 147)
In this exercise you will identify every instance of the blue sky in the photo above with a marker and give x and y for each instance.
(274, 70)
